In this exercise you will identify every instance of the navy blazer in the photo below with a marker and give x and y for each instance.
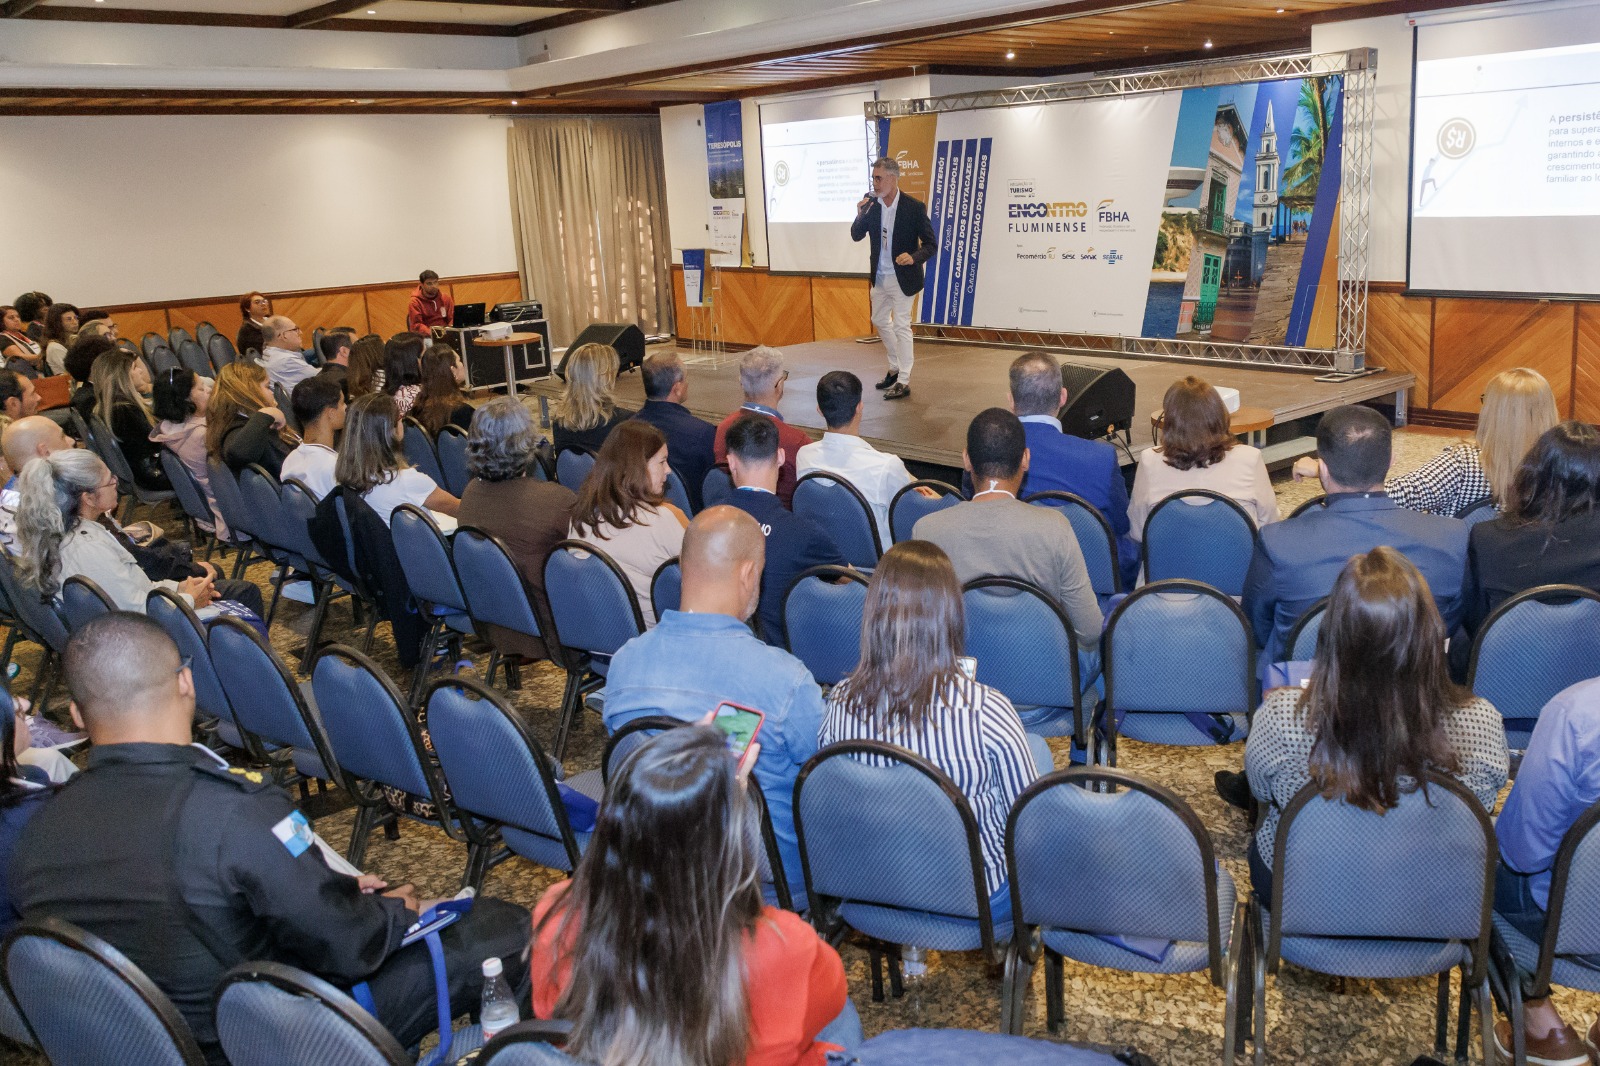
(690, 443)
(913, 233)
(1297, 560)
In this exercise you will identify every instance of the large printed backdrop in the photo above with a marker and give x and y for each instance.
(1207, 213)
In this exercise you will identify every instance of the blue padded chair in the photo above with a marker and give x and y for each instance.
(82, 601)
(1570, 930)
(298, 508)
(716, 488)
(822, 613)
(1209, 541)
(666, 587)
(109, 449)
(166, 609)
(268, 706)
(593, 612)
(573, 466)
(496, 595)
(162, 361)
(1406, 893)
(1301, 643)
(203, 333)
(377, 742)
(676, 494)
(268, 1013)
(836, 505)
(1531, 647)
(220, 350)
(1179, 665)
(431, 574)
(40, 624)
(1095, 853)
(1483, 510)
(1026, 649)
(242, 524)
(87, 1003)
(890, 848)
(535, 1042)
(418, 448)
(272, 529)
(192, 498)
(451, 446)
(193, 357)
(150, 342)
(176, 336)
(908, 506)
(1095, 539)
(280, 396)
(500, 779)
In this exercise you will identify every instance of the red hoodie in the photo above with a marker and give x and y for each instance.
(422, 314)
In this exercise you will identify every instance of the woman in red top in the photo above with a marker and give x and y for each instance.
(659, 949)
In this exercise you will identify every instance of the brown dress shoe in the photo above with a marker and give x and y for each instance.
(1559, 1048)
(896, 391)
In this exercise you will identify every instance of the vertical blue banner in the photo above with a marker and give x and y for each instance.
(974, 211)
(960, 187)
(725, 149)
(933, 301)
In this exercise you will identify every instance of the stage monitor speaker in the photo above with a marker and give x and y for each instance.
(1099, 401)
(625, 337)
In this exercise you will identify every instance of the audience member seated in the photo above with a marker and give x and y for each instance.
(440, 401)
(621, 511)
(402, 369)
(1379, 708)
(762, 377)
(587, 411)
(243, 423)
(319, 407)
(80, 361)
(283, 359)
(690, 442)
(372, 463)
(122, 402)
(794, 542)
(529, 515)
(1517, 407)
(879, 475)
(431, 307)
(1061, 463)
(18, 397)
(334, 348)
(993, 534)
(155, 823)
(909, 691)
(1550, 531)
(704, 653)
(179, 400)
(1555, 785)
(59, 535)
(659, 949)
(1297, 560)
(24, 439)
(23, 790)
(367, 359)
(255, 309)
(34, 310)
(60, 330)
(1199, 451)
(21, 353)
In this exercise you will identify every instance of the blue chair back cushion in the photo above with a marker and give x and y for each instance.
(257, 691)
(572, 467)
(260, 1024)
(1179, 652)
(593, 608)
(836, 509)
(1210, 542)
(1534, 651)
(451, 446)
(824, 626)
(909, 508)
(1021, 646)
(419, 452)
(493, 588)
(425, 558)
(366, 732)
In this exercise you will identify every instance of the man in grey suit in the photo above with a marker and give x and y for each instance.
(1297, 561)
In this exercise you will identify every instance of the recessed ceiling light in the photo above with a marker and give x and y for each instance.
(1280, 10)
(370, 11)
(1111, 33)
(515, 103)
(1208, 42)
(1011, 55)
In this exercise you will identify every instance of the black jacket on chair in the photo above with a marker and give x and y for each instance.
(366, 558)
(913, 233)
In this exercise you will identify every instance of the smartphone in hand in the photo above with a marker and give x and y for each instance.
(740, 724)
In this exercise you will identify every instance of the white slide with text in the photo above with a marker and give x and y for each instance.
(816, 167)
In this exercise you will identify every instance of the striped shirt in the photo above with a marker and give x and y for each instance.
(1445, 484)
(974, 735)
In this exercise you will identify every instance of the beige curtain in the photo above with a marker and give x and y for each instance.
(588, 200)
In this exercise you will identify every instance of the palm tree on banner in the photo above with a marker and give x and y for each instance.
(1309, 142)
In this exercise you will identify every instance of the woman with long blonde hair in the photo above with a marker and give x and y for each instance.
(243, 423)
(587, 412)
(1517, 407)
(121, 384)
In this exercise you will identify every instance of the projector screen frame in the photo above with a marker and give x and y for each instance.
(766, 215)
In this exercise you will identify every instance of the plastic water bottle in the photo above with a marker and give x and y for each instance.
(914, 970)
(499, 1006)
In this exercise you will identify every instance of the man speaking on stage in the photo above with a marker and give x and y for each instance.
(889, 218)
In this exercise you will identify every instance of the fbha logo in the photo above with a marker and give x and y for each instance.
(906, 163)
(1109, 214)
(1113, 256)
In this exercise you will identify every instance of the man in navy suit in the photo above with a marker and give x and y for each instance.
(1063, 463)
(690, 441)
(890, 215)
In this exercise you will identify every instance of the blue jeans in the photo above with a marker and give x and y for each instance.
(845, 1029)
(1513, 901)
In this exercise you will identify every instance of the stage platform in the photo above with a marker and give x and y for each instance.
(953, 382)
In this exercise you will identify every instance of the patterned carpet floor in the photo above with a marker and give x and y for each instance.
(1314, 1020)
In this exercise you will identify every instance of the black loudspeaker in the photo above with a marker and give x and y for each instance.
(625, 337)
(1099, 401)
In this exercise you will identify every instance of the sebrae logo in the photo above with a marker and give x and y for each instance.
(1113, 257)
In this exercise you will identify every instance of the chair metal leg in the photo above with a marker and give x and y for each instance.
(1441, 1015)
(571, 702)
(1015, 990)
(44, 681)
(1485, 1004)
(1236, 1008)
(897, 986)
(319, 614)
(875, 964)
(277, 592)
(1054, 1012)
(494, 664)
(240, 560)
(372, 627)
(430, 646)
(360, 834)
(12, 636)
(1258, 933)
(1464, 1015)
(478, 854)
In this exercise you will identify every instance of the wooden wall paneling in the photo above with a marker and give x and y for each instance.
(1586, 368)
(1473, 340)
(325, 309)
(135, 324)
(386, 309)
(489, 291)
(840, 307)
(762, 308)
(224, 316)
(1399, 332)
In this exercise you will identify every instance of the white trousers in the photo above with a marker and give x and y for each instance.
(891, 316)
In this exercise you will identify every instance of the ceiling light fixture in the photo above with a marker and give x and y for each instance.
(1011, 55)
(1280, 10)
(1208, 42)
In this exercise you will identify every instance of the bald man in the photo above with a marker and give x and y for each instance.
(189, 867)
(704, 653)
(33, 437)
